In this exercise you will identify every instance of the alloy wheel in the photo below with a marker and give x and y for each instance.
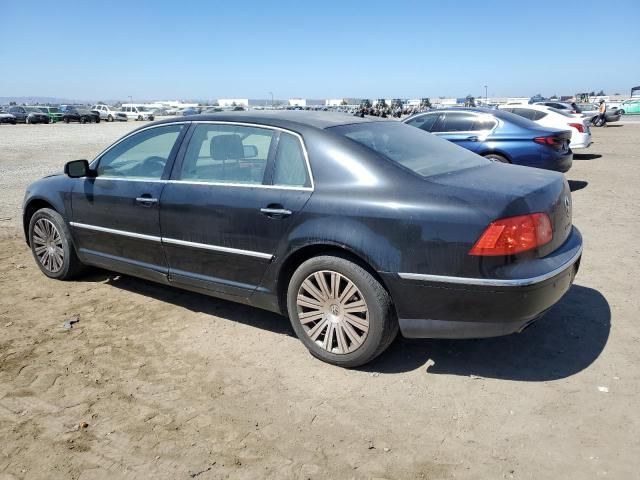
(333, 312)
(47, 245)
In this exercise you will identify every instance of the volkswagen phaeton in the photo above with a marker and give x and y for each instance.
(353, 228)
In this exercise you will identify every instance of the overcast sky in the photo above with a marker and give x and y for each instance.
(316, 49)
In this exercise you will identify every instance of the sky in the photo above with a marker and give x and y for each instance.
(193, 49)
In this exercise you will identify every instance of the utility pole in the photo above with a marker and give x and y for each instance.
(486, 96)
(271, 93)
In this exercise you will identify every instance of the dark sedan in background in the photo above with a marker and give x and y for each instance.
(352, 228)
(7, 117)
(29, 115)
(81, 115)
(499, 136)
(591, 112)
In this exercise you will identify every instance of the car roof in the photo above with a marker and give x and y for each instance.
(480, 110)
(281, 118)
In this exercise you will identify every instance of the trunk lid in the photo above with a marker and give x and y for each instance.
(501, 191)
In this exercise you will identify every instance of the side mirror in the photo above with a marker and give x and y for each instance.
(250, 151)
(77, 169)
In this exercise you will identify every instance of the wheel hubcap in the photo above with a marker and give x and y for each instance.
(333, 312)
(47, 245)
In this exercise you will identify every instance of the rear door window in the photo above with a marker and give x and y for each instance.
(456, 122)
(220, 153)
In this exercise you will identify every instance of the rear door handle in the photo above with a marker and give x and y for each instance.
(146, 201)
(276, 212)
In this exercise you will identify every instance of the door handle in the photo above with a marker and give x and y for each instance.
(275, 212)
(146, 201)
(472, 138)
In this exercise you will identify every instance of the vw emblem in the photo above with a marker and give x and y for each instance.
(567, 205)
(335, 310)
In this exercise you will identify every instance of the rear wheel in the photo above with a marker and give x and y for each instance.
(51, 245)
(110, 118)
(139, 118)
(494, 157)
(340, 311)
(65, 119)
(83, 119)
(27, 121)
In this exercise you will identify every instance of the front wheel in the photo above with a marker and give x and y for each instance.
(139, 118)
(51, 245)
(65, 120)
(110, 118)
(83, 119)
(622, 112)
(340, 311)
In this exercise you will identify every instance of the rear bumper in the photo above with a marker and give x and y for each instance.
(430, 306)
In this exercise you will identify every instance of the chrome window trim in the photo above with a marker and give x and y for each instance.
(172, 241)
(491, 282)
(115, 232)
(218, 184)
(444, 111)
(215, 248)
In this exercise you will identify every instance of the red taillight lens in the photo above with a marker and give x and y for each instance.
(512, 235)
(577, 126)
(553, 141)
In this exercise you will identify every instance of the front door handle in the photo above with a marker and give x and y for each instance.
(146, 201)
(473, 138)
(275, 212)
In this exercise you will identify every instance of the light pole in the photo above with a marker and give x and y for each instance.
(271, 93)
(130, 99)
(486, 96)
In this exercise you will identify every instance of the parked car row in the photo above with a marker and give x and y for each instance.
(73, 113)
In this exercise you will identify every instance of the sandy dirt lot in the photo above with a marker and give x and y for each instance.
(159, 383)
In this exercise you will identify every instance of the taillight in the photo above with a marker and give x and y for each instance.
(512, 235)
(553, 141)
(577, 126)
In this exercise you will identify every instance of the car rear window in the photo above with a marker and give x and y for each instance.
(411, 147)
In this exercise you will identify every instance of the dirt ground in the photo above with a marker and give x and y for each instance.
(164, 384)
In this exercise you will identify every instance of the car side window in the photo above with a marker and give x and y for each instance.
(538, 115)
(525, 113)
(290, 167)
(425, 122)
(143, 155)
(221, 153)
(457, 122)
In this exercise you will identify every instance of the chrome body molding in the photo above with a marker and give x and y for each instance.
(173, 241)
(215, 248)
(493, 282)
(115, 232)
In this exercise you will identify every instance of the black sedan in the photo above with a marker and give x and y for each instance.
(75, 114)
(29, 115)
(350, 227)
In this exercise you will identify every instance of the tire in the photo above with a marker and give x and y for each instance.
(83, 119)
(65, 120)
(97, 119)
(26, 121)
(43, 227)
(378, 316)
(110, 118)
(139, 119)
(622, 112)
(494, 157)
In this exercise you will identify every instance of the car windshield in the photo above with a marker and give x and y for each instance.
(54, 110)
(415, 149)
(142, 109)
